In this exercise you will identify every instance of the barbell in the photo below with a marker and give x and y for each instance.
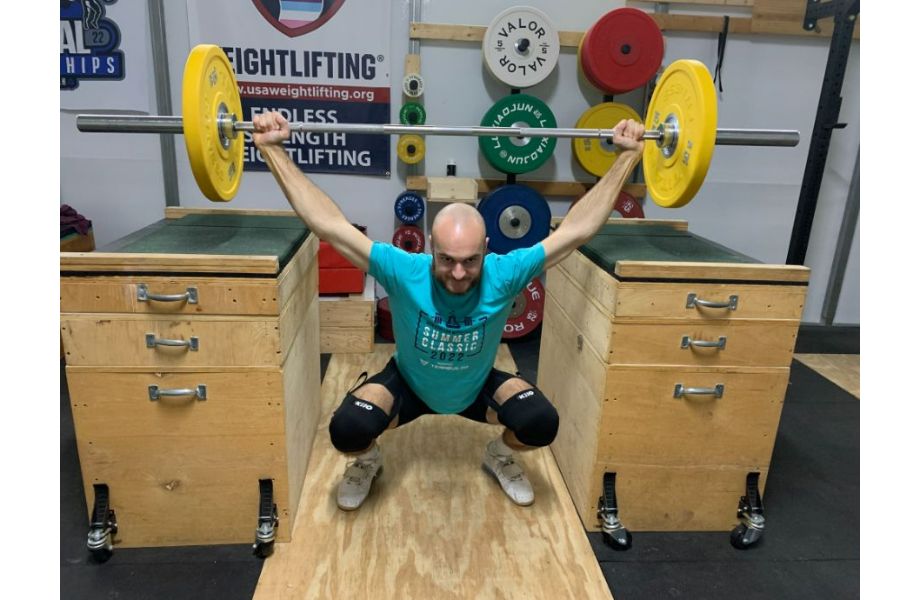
(681, 121)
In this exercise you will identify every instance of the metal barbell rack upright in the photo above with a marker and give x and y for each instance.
(228, 127)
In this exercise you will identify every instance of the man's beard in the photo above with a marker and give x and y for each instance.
(470, 284)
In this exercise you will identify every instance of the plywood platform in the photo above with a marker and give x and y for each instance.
(435, 525)
(842, 369)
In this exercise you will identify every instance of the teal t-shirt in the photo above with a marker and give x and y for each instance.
(446, 343)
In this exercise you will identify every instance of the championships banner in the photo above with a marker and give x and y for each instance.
(322, 61)
(104, 55)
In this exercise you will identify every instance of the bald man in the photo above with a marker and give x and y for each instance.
(449, 309)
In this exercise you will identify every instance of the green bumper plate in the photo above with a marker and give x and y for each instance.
(511, 154)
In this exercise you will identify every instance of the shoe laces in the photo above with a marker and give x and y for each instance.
(357, 471)
(509, 468)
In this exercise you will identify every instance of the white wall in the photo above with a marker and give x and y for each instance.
(748, 201)
(115, 180)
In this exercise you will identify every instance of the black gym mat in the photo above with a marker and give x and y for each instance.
(221, 235)
(658, 243)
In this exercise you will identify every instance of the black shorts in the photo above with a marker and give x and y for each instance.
(409, 406)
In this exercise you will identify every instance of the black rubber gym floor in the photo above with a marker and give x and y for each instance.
(810, 548)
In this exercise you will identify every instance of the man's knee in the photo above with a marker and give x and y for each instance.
(531, 416)
(356, 424)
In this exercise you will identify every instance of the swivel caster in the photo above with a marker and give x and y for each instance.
(264, 544)
(612, 531)
(750, 511)
(102, 527)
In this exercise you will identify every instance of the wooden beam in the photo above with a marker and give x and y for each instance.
(546, 188)
(785, 17)
(701, 23)
(762, 23)
(474, 33)
(637, 269)
(167, 263)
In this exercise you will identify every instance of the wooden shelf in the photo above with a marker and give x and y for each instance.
(769, 17)
(546, 188)
(474, 33)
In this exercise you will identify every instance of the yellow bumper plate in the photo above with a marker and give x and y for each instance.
(209, 90)
(596, 155)
(685, 98)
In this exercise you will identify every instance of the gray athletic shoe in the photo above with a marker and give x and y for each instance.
(356, 482)
(509, 474)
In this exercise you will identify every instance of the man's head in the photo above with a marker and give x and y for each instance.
(458, 247)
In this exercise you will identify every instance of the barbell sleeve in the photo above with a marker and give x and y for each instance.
(129, 124)
(173, 124)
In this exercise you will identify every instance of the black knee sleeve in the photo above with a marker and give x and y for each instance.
(356, 424)
(531, 417)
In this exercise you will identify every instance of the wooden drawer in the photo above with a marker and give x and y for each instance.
(238, 403)
(651, 333)
(165, 460)
(745, 343)
(213, 296)
(643, 423)
(226, 295)
(669, 300)
(627, 299)
(114, 340)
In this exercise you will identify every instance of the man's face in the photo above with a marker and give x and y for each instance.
(457, 263)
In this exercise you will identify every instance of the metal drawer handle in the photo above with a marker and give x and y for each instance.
(153, 342)
(191, 294)
(693, 300)
(155, 393)
(687, 342)
(680, 390)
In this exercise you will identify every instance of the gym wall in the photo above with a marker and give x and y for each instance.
(747, 202)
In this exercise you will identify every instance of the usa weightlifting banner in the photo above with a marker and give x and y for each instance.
(315, 61)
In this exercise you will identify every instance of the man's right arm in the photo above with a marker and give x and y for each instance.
(310, 203)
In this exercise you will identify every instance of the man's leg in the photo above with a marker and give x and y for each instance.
(524, 411)
(530, 422)
(365, 413)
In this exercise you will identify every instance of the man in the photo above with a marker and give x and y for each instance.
(449, 310)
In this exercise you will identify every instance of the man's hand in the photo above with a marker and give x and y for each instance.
(628, 135)
(270, 129)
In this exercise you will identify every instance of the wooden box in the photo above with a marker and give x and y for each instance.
(186, 470)
(620, 334)
(347, 322)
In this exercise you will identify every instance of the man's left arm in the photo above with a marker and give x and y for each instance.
(592, 211)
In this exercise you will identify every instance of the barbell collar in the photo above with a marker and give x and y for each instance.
(173, 124)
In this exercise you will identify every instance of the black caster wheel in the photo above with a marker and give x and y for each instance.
(750, 512)
(623, 542)
(741, 537)
(103, 526)
(264, 544)
(260, 550)
(101, 555)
